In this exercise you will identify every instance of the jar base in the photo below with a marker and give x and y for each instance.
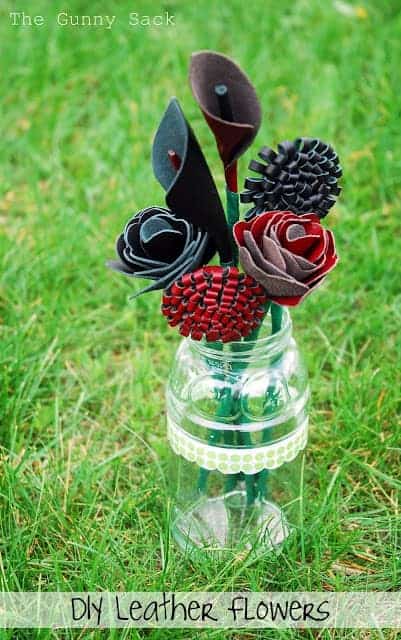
(228, 523)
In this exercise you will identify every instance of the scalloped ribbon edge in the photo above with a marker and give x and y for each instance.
(233, 459)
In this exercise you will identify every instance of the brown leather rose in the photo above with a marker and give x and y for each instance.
(288, 254)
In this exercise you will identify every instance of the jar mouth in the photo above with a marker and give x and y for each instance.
(267, 344)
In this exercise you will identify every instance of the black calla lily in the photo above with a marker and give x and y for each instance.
(180, 167)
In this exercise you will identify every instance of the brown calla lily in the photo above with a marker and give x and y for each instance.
(209, 70)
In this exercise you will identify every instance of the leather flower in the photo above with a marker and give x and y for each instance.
(235, 132)
(215, 303)
(302, 176)
(161, 246)
(190, 189)
(289, 255)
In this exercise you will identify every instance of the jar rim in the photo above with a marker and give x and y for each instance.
(244, 350)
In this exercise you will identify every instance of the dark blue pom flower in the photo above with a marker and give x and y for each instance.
(301, 177)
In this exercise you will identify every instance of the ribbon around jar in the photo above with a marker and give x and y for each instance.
(228, 460)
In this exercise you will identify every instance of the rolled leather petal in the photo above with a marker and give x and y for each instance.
(277, 286)
(303, 176)
(259, 259)
(288, 255)
(215, 304)
(209, 69)
(272, 252)
(190, 190)
(158, 245)
(300, 270)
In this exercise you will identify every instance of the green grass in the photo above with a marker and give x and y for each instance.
(83, 455)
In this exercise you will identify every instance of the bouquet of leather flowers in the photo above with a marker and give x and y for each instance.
(281, 245)
(274, 257)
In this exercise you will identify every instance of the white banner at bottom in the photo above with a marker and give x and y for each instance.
(201, 610)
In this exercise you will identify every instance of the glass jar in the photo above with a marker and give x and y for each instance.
(237, 425)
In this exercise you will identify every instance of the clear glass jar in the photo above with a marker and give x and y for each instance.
(237, 425)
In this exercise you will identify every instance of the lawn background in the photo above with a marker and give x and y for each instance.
(82, 495)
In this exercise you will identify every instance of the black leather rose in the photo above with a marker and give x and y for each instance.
(158, 245)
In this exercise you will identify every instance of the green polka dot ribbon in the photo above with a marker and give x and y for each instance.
(229, 460)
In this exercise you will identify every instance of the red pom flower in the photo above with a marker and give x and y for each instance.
(216, 303)
(288, 254)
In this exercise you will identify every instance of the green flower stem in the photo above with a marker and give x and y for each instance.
(262, 488)
(256, 485)
(214, 435)
(231, 479)
(229, 439)
(262, 476)
(277, 316)
(234, 478)
(232, 218)
(249, 479)
(213, 438)
(246, 440)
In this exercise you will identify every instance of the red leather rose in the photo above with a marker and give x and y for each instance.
(288, 254)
